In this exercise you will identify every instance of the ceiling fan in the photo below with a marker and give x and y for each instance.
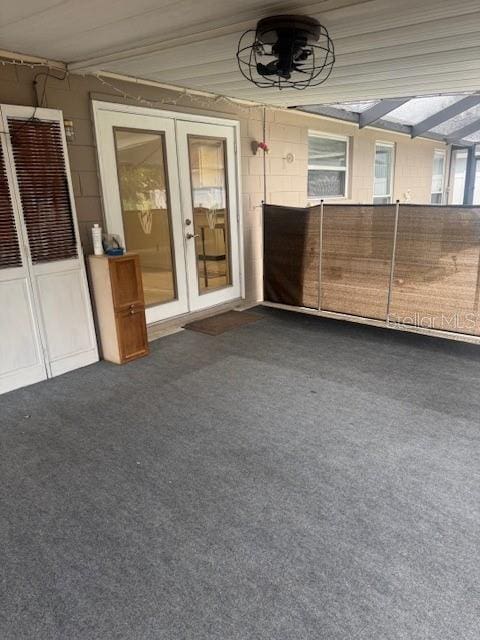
(301, 51)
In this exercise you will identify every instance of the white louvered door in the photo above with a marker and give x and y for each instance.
(21, 354)
(40, 185)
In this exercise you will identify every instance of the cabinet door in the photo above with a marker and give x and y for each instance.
(132, 333)
(126, 281)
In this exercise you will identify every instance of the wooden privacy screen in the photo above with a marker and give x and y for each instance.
(411, 264)
(43, 184)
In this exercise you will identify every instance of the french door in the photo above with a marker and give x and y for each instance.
(206, 157)
(170, 195)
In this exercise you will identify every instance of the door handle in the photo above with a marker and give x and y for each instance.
(189, 236)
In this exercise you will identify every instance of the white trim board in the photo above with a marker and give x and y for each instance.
(383, 324)
(105, 105)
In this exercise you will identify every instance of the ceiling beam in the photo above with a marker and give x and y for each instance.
(464, 132)
(329, 112)
(23, 58)
(350, 116)
(379, 110)
(445, 114)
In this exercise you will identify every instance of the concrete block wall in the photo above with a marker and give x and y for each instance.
(286, 133)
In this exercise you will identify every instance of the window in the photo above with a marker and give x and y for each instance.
(327, 166)
(438, 176)
(476, 190)
(458, 175)
(383, 181)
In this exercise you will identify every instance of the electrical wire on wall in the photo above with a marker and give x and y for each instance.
(42, 100)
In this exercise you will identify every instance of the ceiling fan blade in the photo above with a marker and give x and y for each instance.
(269, 69)
(302, 55)
(297, 68)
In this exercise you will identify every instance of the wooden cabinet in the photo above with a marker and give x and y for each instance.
(120, 306)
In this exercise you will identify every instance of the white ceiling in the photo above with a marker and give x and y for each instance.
(384, 48)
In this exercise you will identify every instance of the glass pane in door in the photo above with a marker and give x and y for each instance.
(142, 175)
(210, 212)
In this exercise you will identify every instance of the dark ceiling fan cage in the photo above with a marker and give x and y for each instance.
(286, 52)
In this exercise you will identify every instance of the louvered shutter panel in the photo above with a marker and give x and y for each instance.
(9, 246)
(43, 185)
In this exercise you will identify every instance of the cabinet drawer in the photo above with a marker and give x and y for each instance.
(132, 333)
(126, 281)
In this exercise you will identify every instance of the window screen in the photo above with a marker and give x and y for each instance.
(327, 166)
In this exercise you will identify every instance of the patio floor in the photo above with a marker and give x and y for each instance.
(297, 478)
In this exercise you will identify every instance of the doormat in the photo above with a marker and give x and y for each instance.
(215, 325)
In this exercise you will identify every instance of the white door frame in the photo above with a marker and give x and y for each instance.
(99, 108)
